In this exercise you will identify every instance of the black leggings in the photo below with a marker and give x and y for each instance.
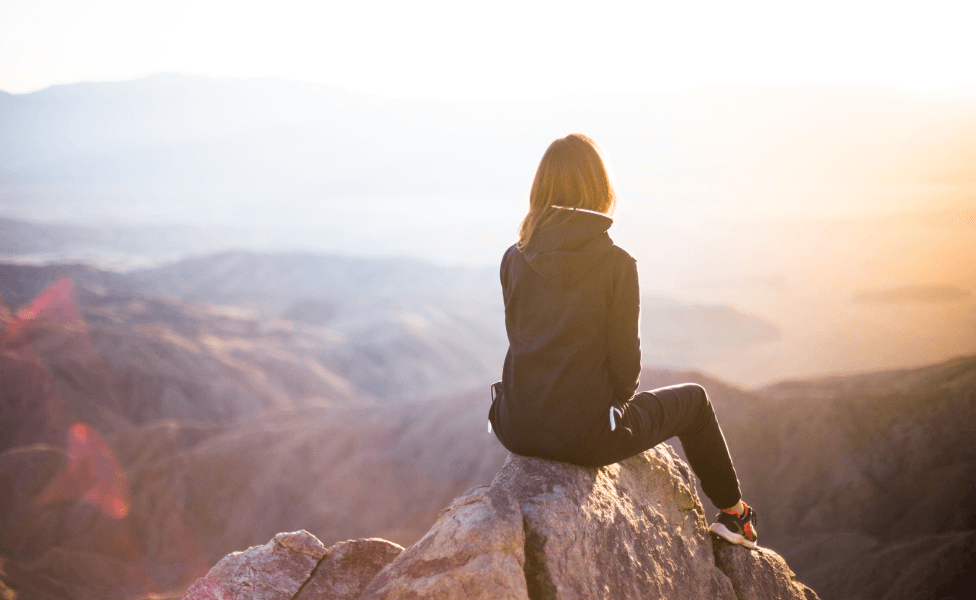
(652, 417)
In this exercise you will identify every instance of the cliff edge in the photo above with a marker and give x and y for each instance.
(541, 530)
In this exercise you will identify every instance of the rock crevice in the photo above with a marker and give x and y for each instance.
(539, 585)
(311, 575)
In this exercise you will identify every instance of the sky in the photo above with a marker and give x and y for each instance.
(492, 50)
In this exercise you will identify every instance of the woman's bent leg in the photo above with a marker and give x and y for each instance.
(686, 412)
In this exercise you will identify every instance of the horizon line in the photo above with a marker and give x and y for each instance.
(967, 88)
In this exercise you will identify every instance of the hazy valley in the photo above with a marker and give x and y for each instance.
(235, 308)
(228, 427)
(843, 216)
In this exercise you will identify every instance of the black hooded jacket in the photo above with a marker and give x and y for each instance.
(572, 309)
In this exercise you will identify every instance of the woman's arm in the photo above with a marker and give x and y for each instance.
(624, 329)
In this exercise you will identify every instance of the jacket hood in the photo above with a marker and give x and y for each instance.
(568, 245)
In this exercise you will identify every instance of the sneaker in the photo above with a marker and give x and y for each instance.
(737, 529)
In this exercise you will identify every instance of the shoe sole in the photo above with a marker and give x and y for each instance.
(725, 533)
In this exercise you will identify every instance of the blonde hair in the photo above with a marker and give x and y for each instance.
(572, 174)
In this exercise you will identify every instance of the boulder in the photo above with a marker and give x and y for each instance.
(296, 565)
(542, 530)
(630, 530)
(759, 573)
(474, 551)
(274, 571)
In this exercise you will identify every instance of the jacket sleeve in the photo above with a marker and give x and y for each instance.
(504, 272)
(624, 328)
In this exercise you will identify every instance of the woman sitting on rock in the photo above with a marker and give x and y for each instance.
(572, 311)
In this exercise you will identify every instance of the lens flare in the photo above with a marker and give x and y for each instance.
(92, 473)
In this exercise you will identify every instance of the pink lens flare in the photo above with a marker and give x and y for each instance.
(54, 308)
(79, 432)
(92, 474)
(51, 331)
(56, 300)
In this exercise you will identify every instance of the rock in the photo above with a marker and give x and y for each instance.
(474, 550)
(759, 573)
(630, 530)
(347, 568)
(274, 571)
(296, 566)
(543, 530)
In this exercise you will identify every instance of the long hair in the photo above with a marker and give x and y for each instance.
(572, 174)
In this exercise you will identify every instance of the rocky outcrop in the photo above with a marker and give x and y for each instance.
(541, 530)
(277, 569)
(759, 574)
(296, 565)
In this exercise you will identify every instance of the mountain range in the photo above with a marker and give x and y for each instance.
(232, 308)
(146, 437)
(842, 215)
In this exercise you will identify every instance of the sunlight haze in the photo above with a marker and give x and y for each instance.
(796, 174)
(492, 50)
(261, 263)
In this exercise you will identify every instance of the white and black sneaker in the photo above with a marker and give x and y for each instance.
(736, 528)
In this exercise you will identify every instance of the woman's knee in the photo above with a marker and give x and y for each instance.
(700, 400)
(697, 393)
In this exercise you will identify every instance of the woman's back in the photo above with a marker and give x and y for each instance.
(571, 310)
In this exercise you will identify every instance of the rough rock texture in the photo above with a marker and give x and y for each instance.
(474, 550)
(296, 565)
(347, 568)
(545, 529)
(541, 530)
(624, 531)
(759, 573)
(274, 571)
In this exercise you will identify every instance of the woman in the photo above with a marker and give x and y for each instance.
(572, 311)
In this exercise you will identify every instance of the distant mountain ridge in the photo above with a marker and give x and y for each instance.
(389, 348)
(817, 197)
(398, 328)
(282, 278)
(249, 392)
(399, 175)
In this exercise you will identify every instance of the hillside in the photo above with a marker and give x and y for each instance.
(389, 339)
(398, 329)
(144, 438)
(885, 461)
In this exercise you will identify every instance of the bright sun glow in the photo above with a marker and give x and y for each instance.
(501, 49)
